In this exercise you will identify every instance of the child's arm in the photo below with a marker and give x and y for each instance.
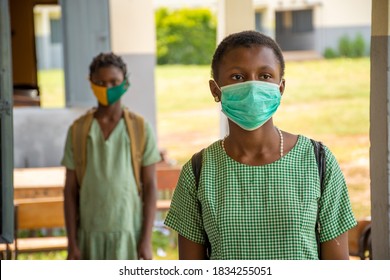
(71, 208)
(189, 250)
(335, 249)
(149, 182)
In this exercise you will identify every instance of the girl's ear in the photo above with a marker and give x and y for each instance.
(215, 91)
(282, 86)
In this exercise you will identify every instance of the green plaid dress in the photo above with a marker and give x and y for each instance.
(261, 212)
(110, 207)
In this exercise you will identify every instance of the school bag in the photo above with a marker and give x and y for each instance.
(319, 152)
(135, 128)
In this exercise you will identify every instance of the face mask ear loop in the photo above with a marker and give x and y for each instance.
(280, 84)
(216, 98)
(217, 86)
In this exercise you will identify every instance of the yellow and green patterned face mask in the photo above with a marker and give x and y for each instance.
(107, 96)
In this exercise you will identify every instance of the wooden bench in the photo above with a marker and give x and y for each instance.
(35, 214)
(49, 182)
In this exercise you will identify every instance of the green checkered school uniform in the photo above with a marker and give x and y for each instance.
(261, 212)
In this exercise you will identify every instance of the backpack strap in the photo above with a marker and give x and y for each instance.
(196, 162)
(80, 129)
(136, 129)
(319, 153)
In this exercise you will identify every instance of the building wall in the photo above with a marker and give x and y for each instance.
(329, 37)
(39, 135)
(346, 13)
(330, 13)
(335, 19)
(332, 19)
(49, 54)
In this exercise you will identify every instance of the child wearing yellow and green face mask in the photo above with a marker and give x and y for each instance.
(107, 215)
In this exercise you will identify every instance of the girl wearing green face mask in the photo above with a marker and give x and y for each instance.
(259, 188)
(106, 215)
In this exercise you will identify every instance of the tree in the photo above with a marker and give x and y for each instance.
(185, 36)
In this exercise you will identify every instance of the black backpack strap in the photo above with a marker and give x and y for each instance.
(319, 153)
(196, 162)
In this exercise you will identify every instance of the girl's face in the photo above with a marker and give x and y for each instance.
(108, 77)
(257, 63)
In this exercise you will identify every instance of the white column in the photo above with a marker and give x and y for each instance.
(233, 16)
(132, 36)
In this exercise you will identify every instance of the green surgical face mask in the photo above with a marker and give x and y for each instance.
(107, 96)
(250, 104)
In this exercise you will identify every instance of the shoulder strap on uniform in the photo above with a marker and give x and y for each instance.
(80, 129)
(319, 152)
(136, 129)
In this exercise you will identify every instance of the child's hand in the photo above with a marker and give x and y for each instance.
(145, 250)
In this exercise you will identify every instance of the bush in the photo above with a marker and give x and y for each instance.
(185, 36)
(345, 46)
(359, 46)
(348, 48)
(330, 53)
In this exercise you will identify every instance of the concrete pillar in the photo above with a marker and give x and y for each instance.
(85, 34)
(233, 16)
(132, 35)
(6, 128)
(379, 130)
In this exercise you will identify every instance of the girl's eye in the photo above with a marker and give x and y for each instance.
(237, 77)
(115, 83)
(265, 76)
(99, 83)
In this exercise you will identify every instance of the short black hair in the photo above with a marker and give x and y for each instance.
(245, 39)
(106, 60)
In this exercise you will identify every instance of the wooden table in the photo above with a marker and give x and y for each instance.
(39, 182)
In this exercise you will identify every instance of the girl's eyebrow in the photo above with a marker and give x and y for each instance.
(239, 68)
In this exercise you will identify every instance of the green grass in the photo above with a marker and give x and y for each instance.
(182, 88)
(327, 100)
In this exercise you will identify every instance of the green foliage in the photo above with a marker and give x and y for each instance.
(348, 48)
(330, 53)
(359, 46)
(345, 46)
(185, 36)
